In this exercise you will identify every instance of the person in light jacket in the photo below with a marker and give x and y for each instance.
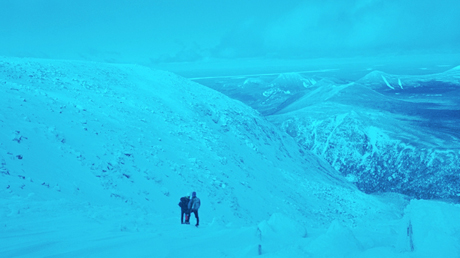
(193, 207)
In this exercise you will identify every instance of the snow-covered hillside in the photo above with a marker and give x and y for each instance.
(386, 139)
(94, 158)
(385, 133)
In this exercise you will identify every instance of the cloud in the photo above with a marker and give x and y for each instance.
(184, 31)
(191, 53)
(344, 28)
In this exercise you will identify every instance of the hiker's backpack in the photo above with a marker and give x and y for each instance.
(184, 202)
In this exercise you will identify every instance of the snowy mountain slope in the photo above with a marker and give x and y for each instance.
(432, 99)
(87, 149)
(267, 94)
(94, 158)
(384, 132)
(387, 143)
(390, 82)
(110, 133)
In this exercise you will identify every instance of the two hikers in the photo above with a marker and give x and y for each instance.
(189, 206)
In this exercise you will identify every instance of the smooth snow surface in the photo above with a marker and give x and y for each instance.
(94, 158)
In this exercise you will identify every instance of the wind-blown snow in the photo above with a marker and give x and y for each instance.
(94, 158)
(400, 84)
(387, 83)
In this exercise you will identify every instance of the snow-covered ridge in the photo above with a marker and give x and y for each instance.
(378, 156)
(125, 126)
(417, 115)
(379, 80)
(293, 81)
(416, 148)
(268, 93)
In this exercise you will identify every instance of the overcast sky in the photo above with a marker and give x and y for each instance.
(185, 30)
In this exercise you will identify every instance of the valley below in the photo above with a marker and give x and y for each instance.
(383, 132)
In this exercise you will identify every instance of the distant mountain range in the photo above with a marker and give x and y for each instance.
(384, 132)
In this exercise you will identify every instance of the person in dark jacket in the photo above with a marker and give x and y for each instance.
(183, 204)
(193, 206)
